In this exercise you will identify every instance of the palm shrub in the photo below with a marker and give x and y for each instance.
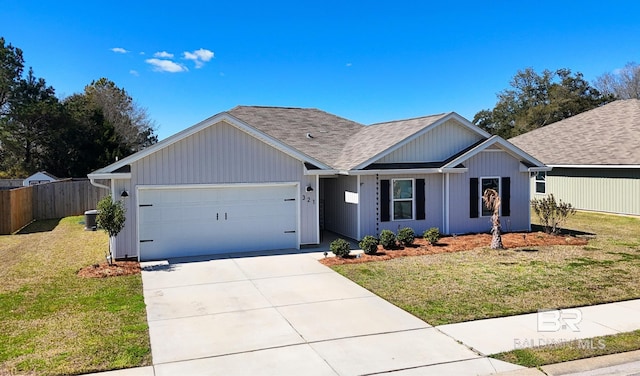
(387, 239)
(406, 236)
(551, 213)
(432, 235)
(340, 248)
(369, 244)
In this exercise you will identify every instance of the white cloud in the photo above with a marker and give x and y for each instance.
(348, 64)
(163, 55)
(134, 73)
(119, 50)
(160, 65)
(199, 57)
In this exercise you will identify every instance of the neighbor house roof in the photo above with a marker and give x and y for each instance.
(42, 173)
(607, 135)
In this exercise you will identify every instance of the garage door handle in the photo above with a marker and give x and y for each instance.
(146, 241)
(225, 216)
(217, 214)
(145, 205)
(290, 232)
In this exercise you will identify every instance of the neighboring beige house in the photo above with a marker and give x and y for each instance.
(260, 178)
(595, 158)
(39, 178)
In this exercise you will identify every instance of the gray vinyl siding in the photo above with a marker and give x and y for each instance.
(438, 144)
(339, 216)
(605, 190)
(489, 164)
(369, 205)
(219, 154)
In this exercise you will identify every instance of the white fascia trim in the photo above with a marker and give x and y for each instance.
(107, 175)
(509, 147)
(321, 172)
(452, 115)
(453, 170)
(524, 168)
(392, 172)
(594, 166)
(223, 116)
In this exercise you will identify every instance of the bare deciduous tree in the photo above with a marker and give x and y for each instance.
(624, 83)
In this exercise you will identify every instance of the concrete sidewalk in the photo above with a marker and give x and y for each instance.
(283, 314)
(502, 334)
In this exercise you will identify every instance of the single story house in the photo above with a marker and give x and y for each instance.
(260, 178)
(595, 158)
(39, 178)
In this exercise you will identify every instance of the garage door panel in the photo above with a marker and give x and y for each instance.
(196, 221)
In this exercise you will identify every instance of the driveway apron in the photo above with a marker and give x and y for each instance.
(286, 314)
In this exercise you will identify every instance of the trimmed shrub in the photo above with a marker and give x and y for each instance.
(340, 248)
(432, 235)
(369, 244)
(406, 236)
(387, 239)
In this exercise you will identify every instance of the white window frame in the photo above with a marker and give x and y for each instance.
(543, 182)
(482, 192)
(412, 199)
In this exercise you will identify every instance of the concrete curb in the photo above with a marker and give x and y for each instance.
(628, 360)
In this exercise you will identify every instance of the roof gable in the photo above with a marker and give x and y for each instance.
(607, 135)
(212, 121)
(379, 140)
(493, 143)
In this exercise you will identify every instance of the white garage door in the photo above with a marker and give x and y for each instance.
(177, 222)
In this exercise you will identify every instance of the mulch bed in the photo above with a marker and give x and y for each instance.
(104, 270)
(457, 244)
(419, 248)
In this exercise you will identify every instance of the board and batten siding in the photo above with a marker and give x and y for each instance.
(437, 144)
(219, 154)
(340, 216)
(370, 223)
(489, 163)
(604, 190)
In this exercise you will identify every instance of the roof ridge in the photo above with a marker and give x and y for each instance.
(412, 118)
(275, 107)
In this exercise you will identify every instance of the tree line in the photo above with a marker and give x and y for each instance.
(538, 99)
(67, 137)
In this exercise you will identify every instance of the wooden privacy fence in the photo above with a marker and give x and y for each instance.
(58, 199)
(16, 209)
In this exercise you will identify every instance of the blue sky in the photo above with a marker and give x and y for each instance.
(368, 61)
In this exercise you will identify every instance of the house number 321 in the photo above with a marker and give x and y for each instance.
(308, 199)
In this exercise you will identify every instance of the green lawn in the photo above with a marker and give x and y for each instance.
(573, 350)
(483, 283)
(53, 322)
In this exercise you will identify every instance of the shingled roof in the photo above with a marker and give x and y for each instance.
(607, 135)
(335, 141)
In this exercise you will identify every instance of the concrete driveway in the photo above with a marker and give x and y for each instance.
(287, 314)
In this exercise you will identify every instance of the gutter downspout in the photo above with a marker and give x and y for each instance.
(96, 184)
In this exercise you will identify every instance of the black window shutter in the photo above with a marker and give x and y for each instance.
(420, 209)
(384, 201)
(506, 197)
(473, 198)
